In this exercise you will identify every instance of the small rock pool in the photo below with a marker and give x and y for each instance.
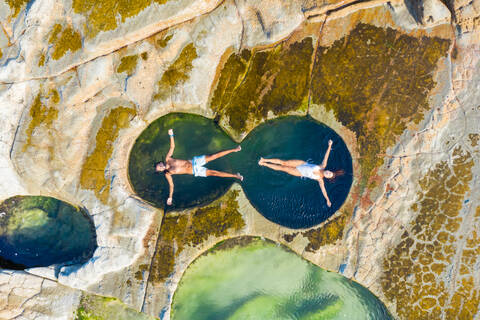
(38, 231)
(251, 278)
(281, 198)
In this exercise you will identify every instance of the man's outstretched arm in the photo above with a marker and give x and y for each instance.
(170, 183)
(327, 154)
(324, 191)
(172, 145)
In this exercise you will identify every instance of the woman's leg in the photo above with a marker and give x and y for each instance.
(220, 154)
(289, 170)
(287, 163)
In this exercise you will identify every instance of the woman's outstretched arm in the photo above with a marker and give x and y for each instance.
(170, 183)
(324, 191)
(172, 145)
(327, 154)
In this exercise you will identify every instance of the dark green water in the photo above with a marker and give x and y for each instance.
(38, 231)
(281, 198)
(262, 280)
(194, 136)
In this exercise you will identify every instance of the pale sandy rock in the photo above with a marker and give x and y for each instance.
(266, 22)
(24, 296)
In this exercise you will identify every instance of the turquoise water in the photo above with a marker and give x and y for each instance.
(259, 279)
(38, 231)
(281, 198)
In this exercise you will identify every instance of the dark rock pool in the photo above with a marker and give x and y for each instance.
(38, 231)
(284, 199)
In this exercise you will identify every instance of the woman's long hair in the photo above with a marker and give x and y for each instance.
(336, 174)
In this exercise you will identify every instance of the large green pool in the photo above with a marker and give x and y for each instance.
(250, 278)
(37, 231)
(281, 198)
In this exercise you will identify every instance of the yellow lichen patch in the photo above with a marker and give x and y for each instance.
(103, 15)
(41, 116)
(63, 40)
(429, 247)
(1, 53)
(327, 234)
(162, 43)
(192, 229)
(474, 139)
(93, 171)
(177, 73)
(376, 81)
(41, 60)
(16, 5)
(128, 64)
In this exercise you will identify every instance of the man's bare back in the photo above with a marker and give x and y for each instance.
(195, 167)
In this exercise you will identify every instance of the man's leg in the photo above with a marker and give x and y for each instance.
(215, 173)
(289, 170)
(221, 154)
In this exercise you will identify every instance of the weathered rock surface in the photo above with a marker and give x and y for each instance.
(400, 85)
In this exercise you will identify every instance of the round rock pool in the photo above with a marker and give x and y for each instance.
(251, 278)
(284, 199)
(38, 231)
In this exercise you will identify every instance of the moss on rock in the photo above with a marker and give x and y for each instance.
(128, 64)
(104, 15)
(42, 116)
(94, 307)
(376, 81)
(192, 229)
(329, 233)
(92, 175)
(253, 83)
(63, 40)
(414, 278)
(177, 73)
(16, 5)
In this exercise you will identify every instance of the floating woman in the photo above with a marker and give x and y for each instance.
(300, 168)
(194, 167)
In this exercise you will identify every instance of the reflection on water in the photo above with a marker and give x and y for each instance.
(258, 279)
(281, 198)
(40, 231)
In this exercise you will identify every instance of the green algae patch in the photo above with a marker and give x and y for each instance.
(41, 116)
(377, 82)
(253, 83)
(16, 5)
(414, 270)
(38, 231)
(104, 15)
(259, 279)
(93, 170)
(177, 73)
(64, 40)
(94, 307)
(128, 64)
(192, 229)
